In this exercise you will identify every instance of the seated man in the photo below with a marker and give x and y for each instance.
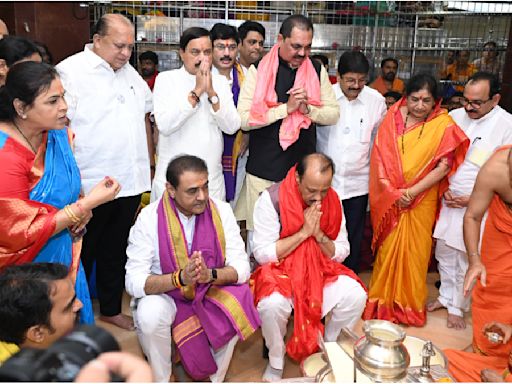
(187, 271)
(38, 305)
(300, 241)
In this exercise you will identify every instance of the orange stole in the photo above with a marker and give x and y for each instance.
(305, 271)
(403, 237)
(466, 366)
(492, 303)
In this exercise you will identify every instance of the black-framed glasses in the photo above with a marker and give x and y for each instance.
(477, 104)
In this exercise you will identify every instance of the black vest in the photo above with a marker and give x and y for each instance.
(267, 159)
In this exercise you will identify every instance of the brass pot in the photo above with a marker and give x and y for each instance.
(380, 353)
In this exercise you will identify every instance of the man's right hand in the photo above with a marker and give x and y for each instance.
(475, 271)
(202, 77)
(297, 96)
(311, 220)
(192, 271)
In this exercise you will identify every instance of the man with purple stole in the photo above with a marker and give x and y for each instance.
(187, 271)
(225, 42)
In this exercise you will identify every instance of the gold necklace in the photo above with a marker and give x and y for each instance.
(25, 137)
(405, 127)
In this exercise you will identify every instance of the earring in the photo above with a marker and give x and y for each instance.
(23, 116)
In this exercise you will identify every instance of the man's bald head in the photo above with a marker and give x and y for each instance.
(3, 29)
(113, 40)
(314, 176)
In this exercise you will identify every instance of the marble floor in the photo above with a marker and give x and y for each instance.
(248, 364)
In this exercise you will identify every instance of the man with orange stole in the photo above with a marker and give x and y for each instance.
(187, 271)
(490, 272)
(300, 241)
(417, 147)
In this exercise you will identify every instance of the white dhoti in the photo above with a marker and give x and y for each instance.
(452, 266)
(153, 316)
(344, 298)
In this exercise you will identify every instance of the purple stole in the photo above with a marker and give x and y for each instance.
(207, 315)
(230, 153)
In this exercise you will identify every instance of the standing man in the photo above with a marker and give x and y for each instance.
(187, 271)
(108, 106)
(283, 98)
(348, 143)
(488, 127)
(148, 62)
(225, 47)
(193, 107)
(252, 37)
(388, 81)
(300, 242)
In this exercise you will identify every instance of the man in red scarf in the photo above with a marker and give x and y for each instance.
(300, 241)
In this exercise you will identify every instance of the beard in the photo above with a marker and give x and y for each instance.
(147, 72)
(390, 76)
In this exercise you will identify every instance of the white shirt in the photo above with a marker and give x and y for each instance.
(267, 227)
(143, 248)
(107, 112)
(486, 135)
(348, 142)
(193, 131)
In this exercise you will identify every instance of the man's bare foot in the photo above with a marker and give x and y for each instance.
(121, 320)
(456, 322)
(469, 349)
(434, 305)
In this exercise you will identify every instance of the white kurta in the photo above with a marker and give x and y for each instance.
(107, 111)
(154, 314)
(486, 135)
(344, 298)
(348, 142)
(193, 131)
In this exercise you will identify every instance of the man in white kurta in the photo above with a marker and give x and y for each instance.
(348, 143)
(108, 109)
(192, 107)
(344, 298)
(153, 309)
(488, 127)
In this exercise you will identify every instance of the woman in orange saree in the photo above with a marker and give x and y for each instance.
(418, 146)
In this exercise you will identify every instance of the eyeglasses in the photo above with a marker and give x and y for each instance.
(477, 104)
(222, 47)
(352, 81)
(195, 52)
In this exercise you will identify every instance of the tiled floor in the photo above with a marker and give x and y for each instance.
(248, 364)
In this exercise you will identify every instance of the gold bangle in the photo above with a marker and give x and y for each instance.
(71, 215)
(176, 279)
(408, 194)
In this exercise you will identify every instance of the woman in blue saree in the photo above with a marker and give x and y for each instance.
(41, 216)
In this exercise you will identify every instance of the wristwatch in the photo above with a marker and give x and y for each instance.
(213, 275)
(214, 99)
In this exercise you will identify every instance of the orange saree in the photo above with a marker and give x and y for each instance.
(403, 237)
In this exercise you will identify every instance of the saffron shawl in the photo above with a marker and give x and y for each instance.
(265, 96)
(304, 273)
(207, 315)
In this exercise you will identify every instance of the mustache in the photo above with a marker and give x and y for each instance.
(299, 57)
(226, 58)
(354, 89)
